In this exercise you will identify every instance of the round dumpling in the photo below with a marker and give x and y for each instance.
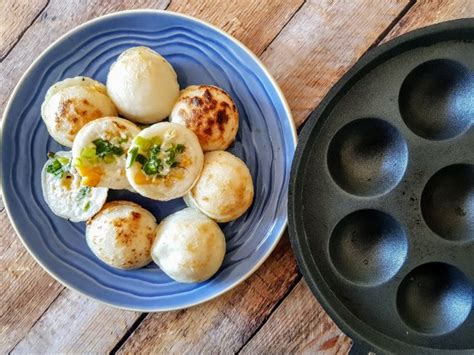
(64, 193)
(100, 150)
(210, 113)
(122, 234)
(165, 161)
(225, 189)
(188, 247)
(143, 85)
(71, 103)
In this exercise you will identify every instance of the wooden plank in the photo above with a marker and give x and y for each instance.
(22, 282)
(429, 12)
(281, 332)
(40, 335)
(15, 17)
(299, 325)
(221, 325)
(27, 290)
(76, 323)
(326, 38)
(255, 23)
(319, 30)
(57, 18)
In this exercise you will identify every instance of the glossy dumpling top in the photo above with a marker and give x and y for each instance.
(143, 85)
(224, 190)
(71, 103)
(189, 247)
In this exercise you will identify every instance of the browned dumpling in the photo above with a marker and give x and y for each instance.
(72, 103)
(122, 234)
(224, 191)
(210, 113)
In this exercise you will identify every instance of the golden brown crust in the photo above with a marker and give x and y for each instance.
(209, 115)
(70, 118)
(133, 235)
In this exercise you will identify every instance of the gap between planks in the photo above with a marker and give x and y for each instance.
(22, 33)
(61, 290)
(299, 279)
(377, 41)
(143, 316)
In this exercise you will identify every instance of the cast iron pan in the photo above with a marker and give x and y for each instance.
(381, 201)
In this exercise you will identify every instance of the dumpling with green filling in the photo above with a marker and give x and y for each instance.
(100, 149)
(64, 192)
(164, 161)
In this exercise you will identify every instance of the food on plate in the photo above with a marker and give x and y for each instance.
(71, 103)
(121, 234)
(143, 85)
(100, 149)
(224, 190)
(210, 113)
(189, 247)
(64, 193)
(164, 161)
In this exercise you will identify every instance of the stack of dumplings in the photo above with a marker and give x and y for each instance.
(183, 157)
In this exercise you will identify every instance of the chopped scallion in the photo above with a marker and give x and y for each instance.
(88, 152)
(142, 143)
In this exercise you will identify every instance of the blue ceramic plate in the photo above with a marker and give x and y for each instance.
(200, 54)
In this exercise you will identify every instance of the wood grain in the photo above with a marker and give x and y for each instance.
(75, 322)
(326, 38)
(221, 325)
(39, 336)
(299, 325)
(280, 331)
(316, 47)
(197, 328)
(15, 17)
(255, 23)
(56, 19)
(27, 289)
(430, 12)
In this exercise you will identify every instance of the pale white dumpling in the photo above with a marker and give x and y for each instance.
(189, 247)
(71, 103)
(165, 161)
(64, 193)
(210, 113)
(224, 190)
(143, 85)
(121, 235)
(100, 150)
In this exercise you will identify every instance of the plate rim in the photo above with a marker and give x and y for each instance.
(85, 24)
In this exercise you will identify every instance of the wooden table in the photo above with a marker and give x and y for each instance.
(307, 46)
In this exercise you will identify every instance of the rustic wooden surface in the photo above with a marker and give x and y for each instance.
(307, 45)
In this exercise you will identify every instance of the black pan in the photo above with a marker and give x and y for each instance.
(381, 200)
